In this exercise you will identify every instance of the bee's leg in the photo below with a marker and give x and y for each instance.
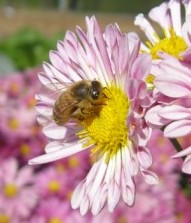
(77, 114)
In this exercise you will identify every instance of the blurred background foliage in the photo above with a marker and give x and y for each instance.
(30, 45)
(126, 6)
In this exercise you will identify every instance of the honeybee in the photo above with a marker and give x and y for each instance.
(79, 101)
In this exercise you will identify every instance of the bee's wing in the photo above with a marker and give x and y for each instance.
(70, 106)
(68, 109)
(53, 90)
(53, 84)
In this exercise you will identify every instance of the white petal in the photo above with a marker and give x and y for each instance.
(54, 131)
(62, 153)
(143, 23)
(98, 180)
(84, 206)
(93, 171)
(161, 15)
(100, 200)
(53, 146)
(186, 168)
(144, 157)
(150, 177)
(113, 196)
(178, 129)
(128, 192)
(78, 195)
(175, 112)
(184, 152)
(133, 165)
(152, 116)
(174, 6)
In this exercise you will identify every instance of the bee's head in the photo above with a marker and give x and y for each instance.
(95, 90)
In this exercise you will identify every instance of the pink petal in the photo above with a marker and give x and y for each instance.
(133, 165)
(184, 152)
(152, 116)
(186, 168)
(128, 189)
(54, 146)
(186, 55)
(150, 177)
(54, 131)
(25, 176)
(62, 153)
(173, 77)
(178, 129)
(141, 67)
(144, 157)
(175, 112)
(54, 74)
(113, 196)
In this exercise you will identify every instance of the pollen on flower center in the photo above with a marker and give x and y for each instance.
(54, 186)
(10, 190)
(172, 45)
(108, 131)
(55, 220)
(4, 218)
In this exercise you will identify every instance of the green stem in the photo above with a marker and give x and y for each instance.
(176, 144)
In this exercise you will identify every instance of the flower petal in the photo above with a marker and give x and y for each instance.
(178, 129)
(175, 112)
(54, 131)
(150, 177)
(84, 205)
(182, 153)
(62, 153)
(186, 168)
(145, 157)
(113, 196)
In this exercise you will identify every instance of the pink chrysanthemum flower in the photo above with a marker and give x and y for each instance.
(173, 80)
(117, 136)
(176, 39)
(170, 77)
(17, 192)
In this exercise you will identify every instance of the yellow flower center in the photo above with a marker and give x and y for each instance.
(13, 123)
(73, 162)
(180, 217)
(24, 149)
(10, 190)
(150, 81)
(172, 45)
(60, 168)
(108, 131)
(54, 186)
(4, 218)
(14, 88)
(121, 219)
(55, 220)
(32, 102)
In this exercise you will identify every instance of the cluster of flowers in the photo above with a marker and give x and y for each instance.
(41, 194)
(147, 100)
